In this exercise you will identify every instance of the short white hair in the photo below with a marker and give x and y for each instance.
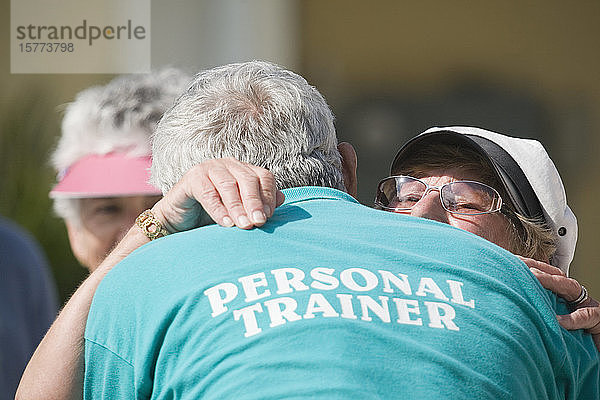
(256, 112)
(120, 116)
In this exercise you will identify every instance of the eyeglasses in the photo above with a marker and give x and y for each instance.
(400, 193)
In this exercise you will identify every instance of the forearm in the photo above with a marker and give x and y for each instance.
(55, 370)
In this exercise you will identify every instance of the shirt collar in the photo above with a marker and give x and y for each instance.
(304, 193)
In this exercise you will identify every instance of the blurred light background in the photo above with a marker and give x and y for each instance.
(389, 70)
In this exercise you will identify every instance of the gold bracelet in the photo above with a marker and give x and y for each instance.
(150, 226)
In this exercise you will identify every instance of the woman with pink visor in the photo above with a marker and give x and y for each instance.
(103, 159)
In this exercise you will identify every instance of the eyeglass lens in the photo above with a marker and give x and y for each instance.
(464, 197)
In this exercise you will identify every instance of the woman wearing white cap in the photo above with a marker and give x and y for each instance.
(482, 196)
(531, 217)
(103, 159)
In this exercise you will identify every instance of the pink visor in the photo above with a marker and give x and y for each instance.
(109, 175)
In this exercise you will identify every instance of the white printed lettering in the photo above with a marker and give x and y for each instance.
(347, 279)
(249, 317)
(436, 319)
(278, 315)
(323, 279)
(428, 285)
(250, 283)
(346, 304)
(405, 308)
(285, 283)
(217, 303)
(400, 281)
(457, 295)
(317, 303)
(381, 310)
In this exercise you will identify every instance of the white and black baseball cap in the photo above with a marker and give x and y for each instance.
(525, 170)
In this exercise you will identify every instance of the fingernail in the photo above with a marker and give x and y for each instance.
(267, 210)
(243, 221)
(259, 217)
(227, 221)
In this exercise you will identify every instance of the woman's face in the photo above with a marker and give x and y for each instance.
(494, 227)
(104, 222)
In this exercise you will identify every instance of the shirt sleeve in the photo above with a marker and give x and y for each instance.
(107, 375)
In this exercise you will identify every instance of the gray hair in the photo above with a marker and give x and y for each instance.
(531, 238)
(120, 116)
(256, 112)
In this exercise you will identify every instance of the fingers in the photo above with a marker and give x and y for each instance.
(271, 196)
(567, 288)
(587, 318)
(215, 187)
(542, 266)
(240, 193)
(266, 192)
(236, 193)
(181, 206)
(208, 193)
(554, 279)
(280, 198)
(229, 191)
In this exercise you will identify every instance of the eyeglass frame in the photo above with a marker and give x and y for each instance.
(500, 208)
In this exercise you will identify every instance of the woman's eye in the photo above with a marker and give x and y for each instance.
(110, 209)
(406, 201)
(411, 198)
(467, 206)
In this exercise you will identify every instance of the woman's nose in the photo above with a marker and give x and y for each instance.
(430, 207)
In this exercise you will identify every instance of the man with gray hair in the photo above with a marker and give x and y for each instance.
(256, 113)
(328, 299)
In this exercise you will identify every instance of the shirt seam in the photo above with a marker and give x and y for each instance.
(311, 198)
(111, 351)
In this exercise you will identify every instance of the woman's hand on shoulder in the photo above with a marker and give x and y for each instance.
(585, 312)
(231, 192)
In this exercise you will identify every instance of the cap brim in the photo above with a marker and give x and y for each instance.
(109, 175)
(508, 172)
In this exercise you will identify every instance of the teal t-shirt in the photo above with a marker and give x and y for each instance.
(331, 299)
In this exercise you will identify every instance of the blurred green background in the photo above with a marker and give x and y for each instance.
(389, 69)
